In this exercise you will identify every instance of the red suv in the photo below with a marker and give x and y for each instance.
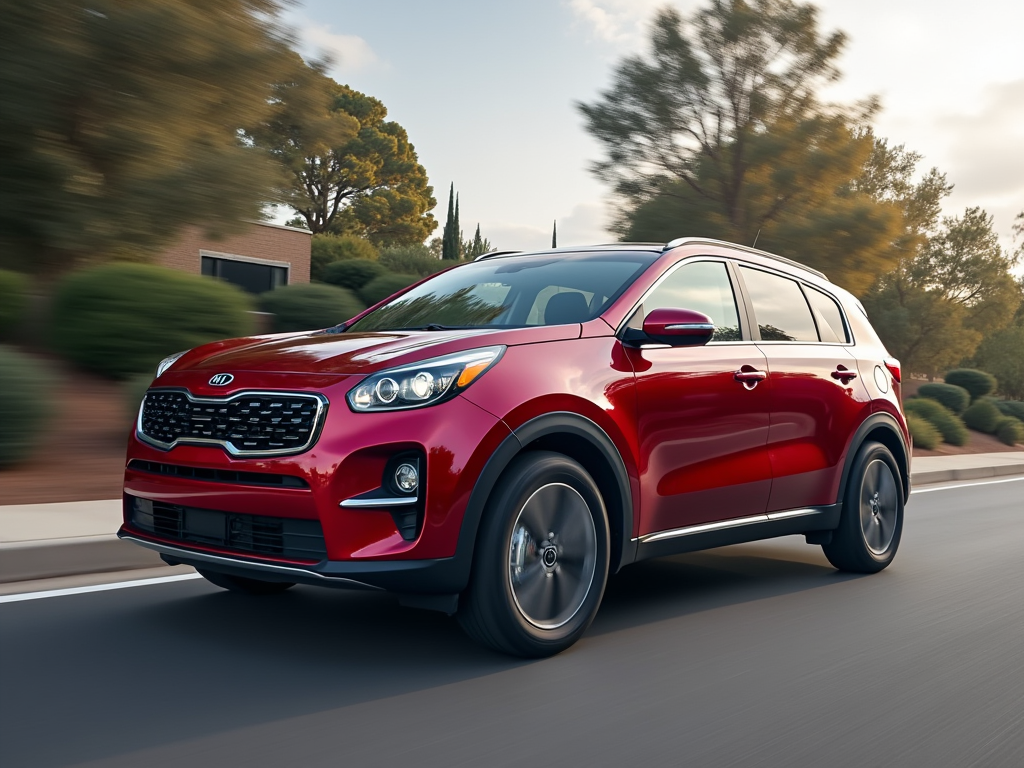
(498, 439)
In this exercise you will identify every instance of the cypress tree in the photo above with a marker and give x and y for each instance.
(554, 233)
(457, 233)
(448, 248)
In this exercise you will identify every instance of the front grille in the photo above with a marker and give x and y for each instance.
(245, 424)
(282, 537)
(218, 475)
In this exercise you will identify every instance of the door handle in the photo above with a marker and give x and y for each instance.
(843, 374)
(749, 376)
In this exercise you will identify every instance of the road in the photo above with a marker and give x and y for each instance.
(756, 655)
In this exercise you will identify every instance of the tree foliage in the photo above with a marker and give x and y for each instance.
(719, 132)
(324, 250)
(349, 170)
(478, 246)
(122, 122)
(1002, 354)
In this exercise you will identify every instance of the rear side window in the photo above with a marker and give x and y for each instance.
(703, 286)
(780, 308)
(828, 316)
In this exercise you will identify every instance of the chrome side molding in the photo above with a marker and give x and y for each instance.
(738, 522)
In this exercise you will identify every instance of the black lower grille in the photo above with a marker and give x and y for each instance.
(246, 424)
(282, 537)
(218, 475)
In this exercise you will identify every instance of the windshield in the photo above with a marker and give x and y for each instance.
(513, 293)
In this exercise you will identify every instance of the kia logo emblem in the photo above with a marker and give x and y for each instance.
(221, 380)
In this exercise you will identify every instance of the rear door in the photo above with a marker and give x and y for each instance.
(817, 399)
(702, 432)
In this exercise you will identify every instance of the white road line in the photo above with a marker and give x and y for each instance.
(965, 485)
(97, 588)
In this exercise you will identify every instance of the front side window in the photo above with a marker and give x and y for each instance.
(513, 292)
(702, 286)
(779, 306)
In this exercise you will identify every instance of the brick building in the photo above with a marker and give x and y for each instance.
(263, 257)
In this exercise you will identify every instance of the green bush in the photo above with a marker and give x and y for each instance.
(413, 260)
(1010, 430)
(950, 395)
(385, 285)
(948, 423)
(13, 299)
(923, 431)
(352, 273)
(309, 306)
(1013, 408)
(982, 416)
(327, 249)
(978, 383)
(121, 319)
(26, 402)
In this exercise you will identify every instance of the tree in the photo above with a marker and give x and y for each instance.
(348, 169)
(451, 241)
(554, 233)
(1002, 355)
(719, 132)
(122, 122)
(478, 246)
(935, 308)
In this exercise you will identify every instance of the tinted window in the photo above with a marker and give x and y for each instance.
(704, 287)
(255, 278)
(779, 306)
(827, 315)
(512, 292)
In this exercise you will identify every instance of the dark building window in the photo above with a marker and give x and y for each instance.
(253, 277)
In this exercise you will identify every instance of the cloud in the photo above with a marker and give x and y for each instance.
(583, 225)
(614, 21)
(347, 53)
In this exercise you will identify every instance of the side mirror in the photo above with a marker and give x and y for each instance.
(678, 327)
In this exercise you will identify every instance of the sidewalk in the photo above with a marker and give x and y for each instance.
(42, 541)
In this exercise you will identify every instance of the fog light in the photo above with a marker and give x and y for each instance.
(407, 477)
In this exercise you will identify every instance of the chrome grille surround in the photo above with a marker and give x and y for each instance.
(189, 420)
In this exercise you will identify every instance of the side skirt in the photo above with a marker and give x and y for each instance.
(721, 534)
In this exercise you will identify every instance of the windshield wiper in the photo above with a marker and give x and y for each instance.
(434, 327)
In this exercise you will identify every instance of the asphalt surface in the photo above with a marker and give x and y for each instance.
(756, 655)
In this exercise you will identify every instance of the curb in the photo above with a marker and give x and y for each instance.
(50, 558)
(967, 473)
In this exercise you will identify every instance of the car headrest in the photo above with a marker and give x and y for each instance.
(569, 307)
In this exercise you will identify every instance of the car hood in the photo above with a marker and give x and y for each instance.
(354, 353)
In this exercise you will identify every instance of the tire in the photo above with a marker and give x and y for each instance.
(244, 585)
(871, 524)
(531, 594)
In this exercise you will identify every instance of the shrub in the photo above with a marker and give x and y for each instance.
(352, 273)
(25, 404)
(950, 395)
(948, 423)
(121, 319)
(309, 306)
(413, 260)
(923, 431)
(1013, 408)
(982, 416)
(327, 249)
(978, 383)
(13, 299)
(1010, 430)
(385, 285)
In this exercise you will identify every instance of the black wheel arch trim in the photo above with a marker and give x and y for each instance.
(550, 425)
(871, 423)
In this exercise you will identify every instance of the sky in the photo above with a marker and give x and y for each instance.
(487, 92)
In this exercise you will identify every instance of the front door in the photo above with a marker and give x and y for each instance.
(702, 431)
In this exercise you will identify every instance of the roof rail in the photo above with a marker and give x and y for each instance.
(687, 240)
(492, 254)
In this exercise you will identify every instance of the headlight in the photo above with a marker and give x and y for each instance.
(426, 383)
(167, 362)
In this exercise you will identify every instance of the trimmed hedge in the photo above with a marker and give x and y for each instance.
(309, 306)
(1013, 408)
(950, 395)
(385, 285)
(1010, 431)
(24, 407)
(978, 383)
(923, 431)
(948, 423)
(13, 299)
(352, 274)
(413, 260)
(327, 249)
(982, 416)
(122, 319)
